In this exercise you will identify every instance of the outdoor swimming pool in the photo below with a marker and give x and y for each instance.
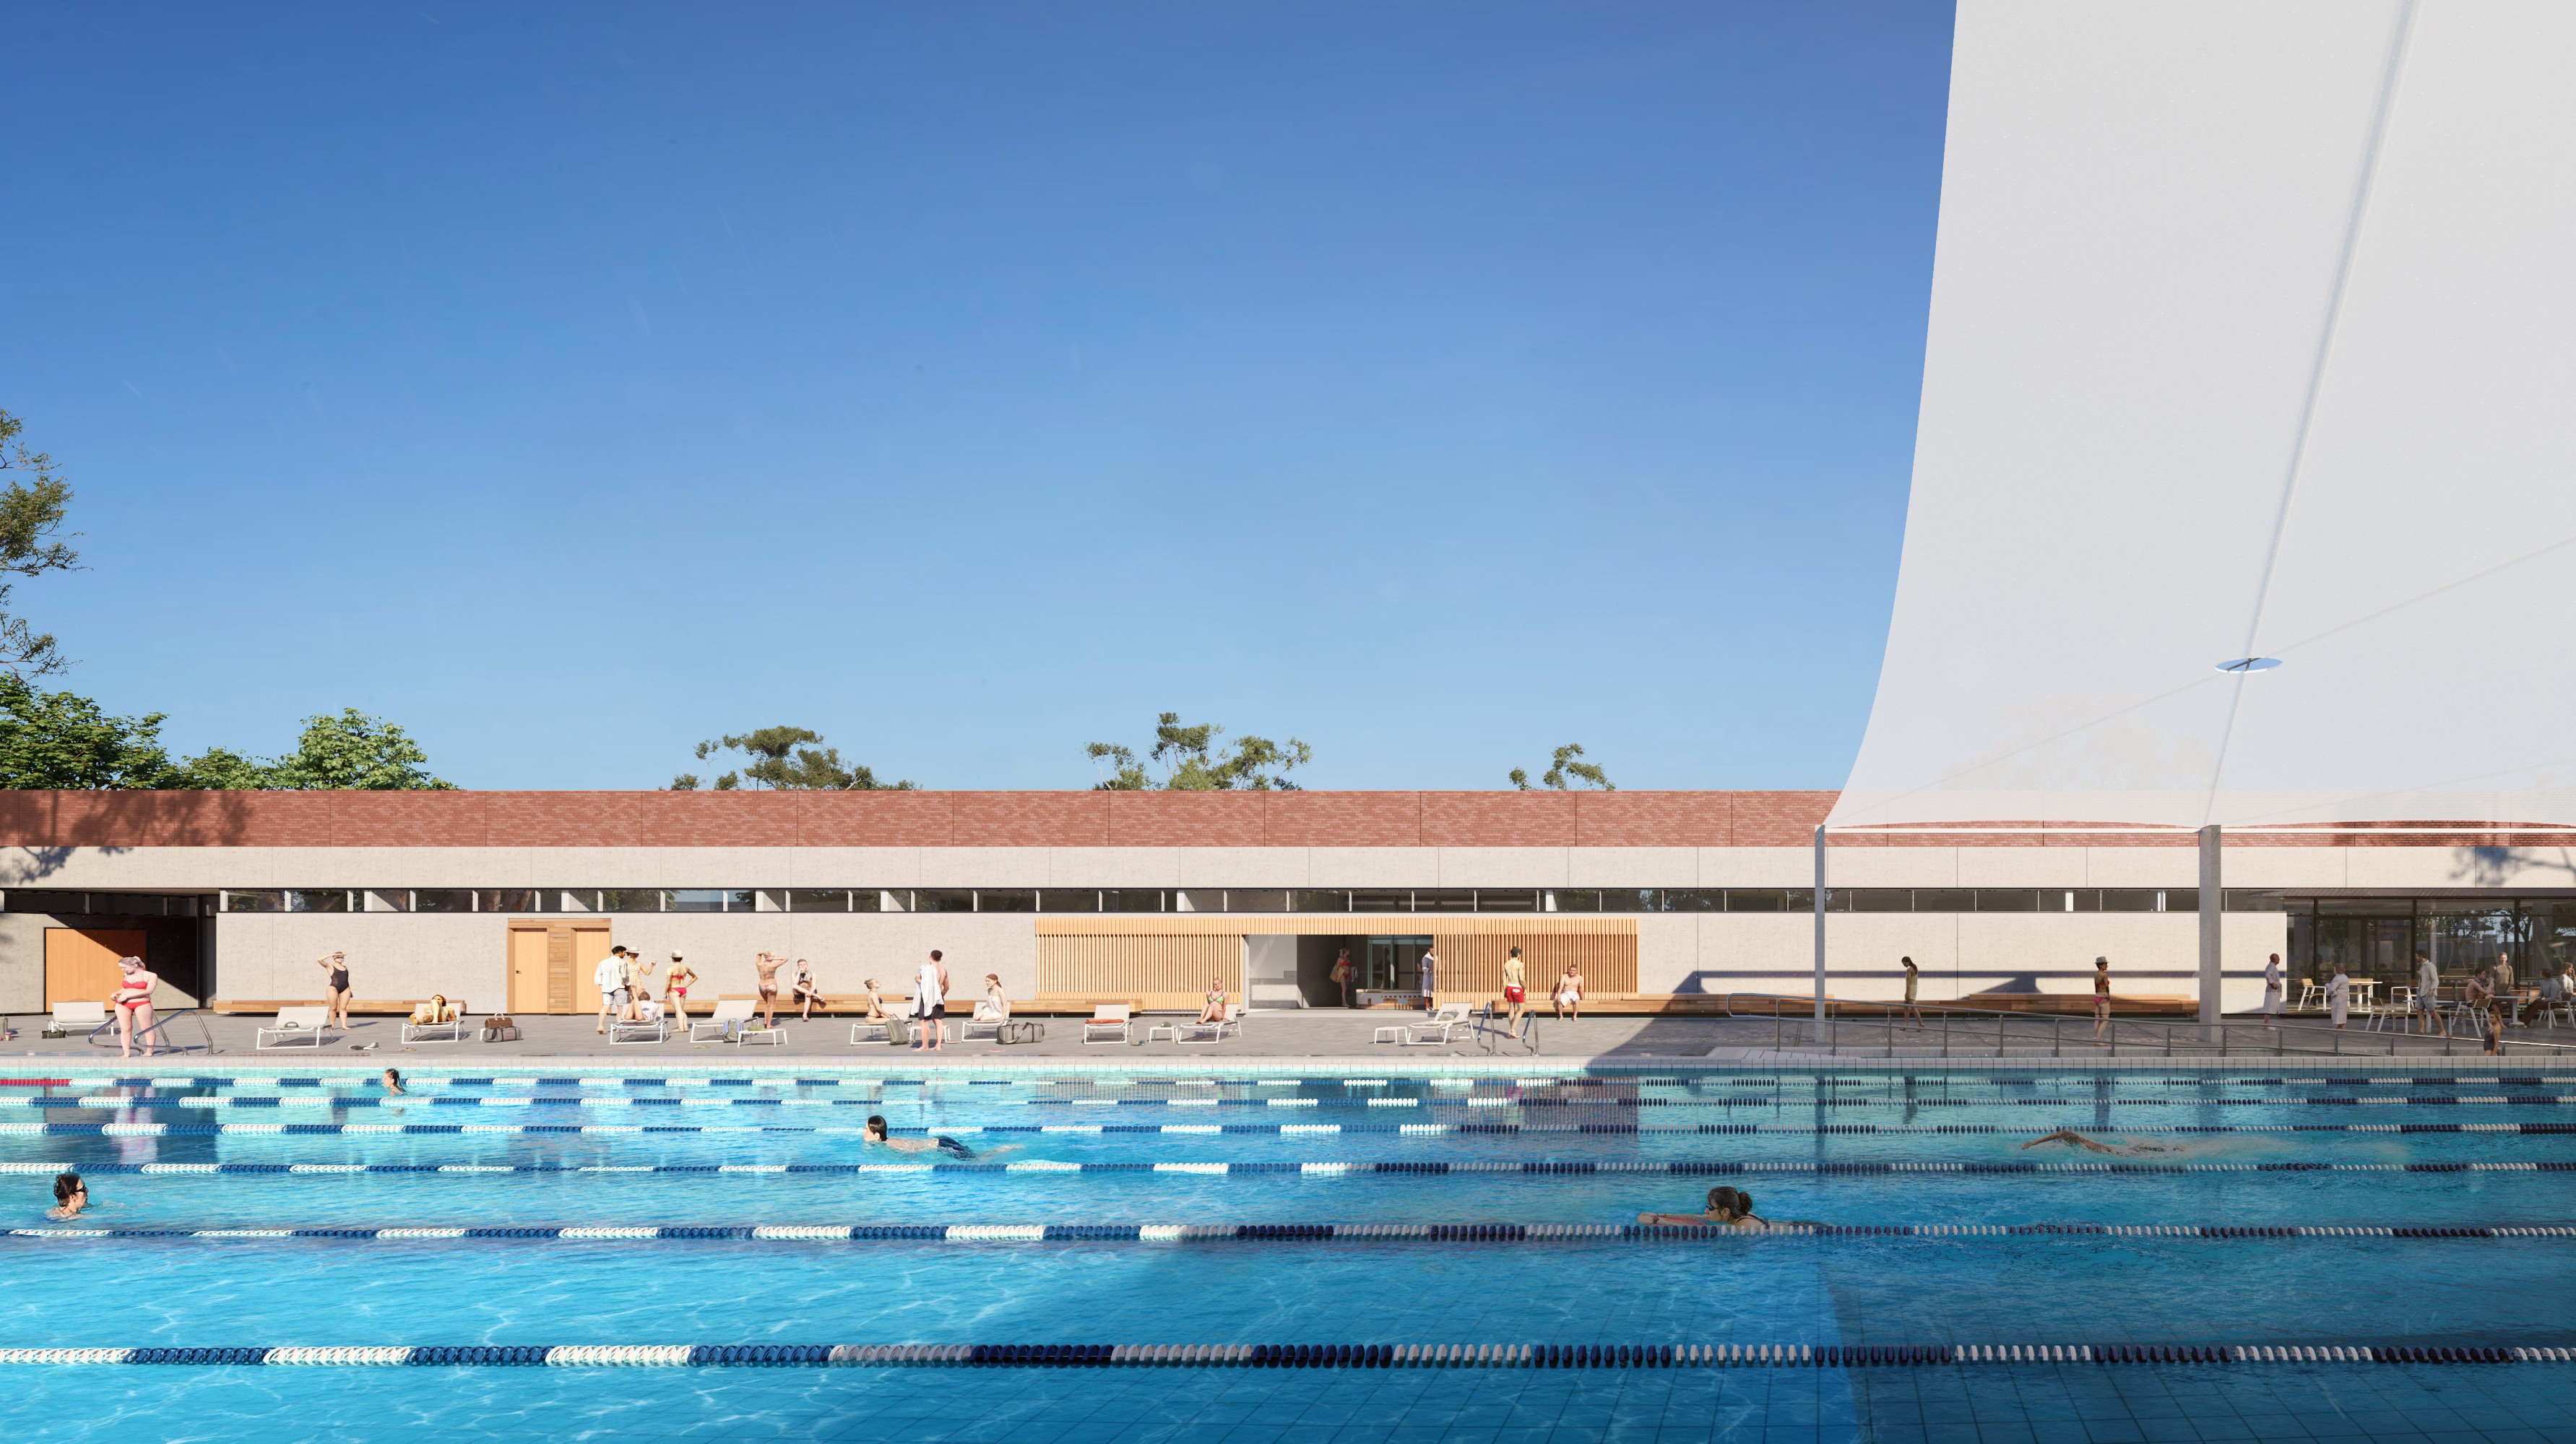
(1409, 1215)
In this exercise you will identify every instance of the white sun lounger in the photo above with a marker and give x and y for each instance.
(294, 1028)
(1439, 1029)
(1213, 1032)
(88, 1015)
(451, 1031)
(1111, 1018)
(731, 1022)
(988, 1018)
(637, 1030)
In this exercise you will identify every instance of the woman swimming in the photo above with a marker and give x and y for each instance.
(1732, 1207)
(877, 1134)
(393, 1080)
(2126, 1148)
(70, 1196)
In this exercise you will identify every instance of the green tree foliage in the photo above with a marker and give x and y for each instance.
(781, 758)
(31, 520)
(59, 739)
(354, 752)
(1564, 772)
(1192, 762)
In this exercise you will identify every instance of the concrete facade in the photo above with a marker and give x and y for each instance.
(1198, 846)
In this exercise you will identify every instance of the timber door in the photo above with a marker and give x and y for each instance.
(80, 963)
(551, 963)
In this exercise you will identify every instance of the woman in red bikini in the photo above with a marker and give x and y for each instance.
(133, 1003)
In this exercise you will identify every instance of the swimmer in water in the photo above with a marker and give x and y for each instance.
(1728, 1206)
(2132, 1148)
(70, 1196)
(393, 1080)
(877, 1134)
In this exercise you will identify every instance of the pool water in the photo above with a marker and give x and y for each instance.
(2301, 1170)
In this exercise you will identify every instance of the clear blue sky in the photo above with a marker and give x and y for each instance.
(1435, 382)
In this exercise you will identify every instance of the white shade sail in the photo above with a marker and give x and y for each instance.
(2253, 336)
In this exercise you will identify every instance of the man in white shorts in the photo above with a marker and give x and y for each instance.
(610, 975)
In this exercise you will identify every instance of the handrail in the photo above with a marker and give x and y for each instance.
(152, 1037)
(2179, 1037)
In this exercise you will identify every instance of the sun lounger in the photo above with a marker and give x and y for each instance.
(294, 1028)
(1195, 1031)
(1111, 1019)
(728, 1022)
(1440, 1028)
(872, 1030)
(987, 1018)
(655, 1029)
(451, 1031)
(85, 1016)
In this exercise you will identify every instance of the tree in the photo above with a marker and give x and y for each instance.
(31, 518)
(1192, 762)
(352, 751)
(780, 759)
(59, 739)
(1564, 767)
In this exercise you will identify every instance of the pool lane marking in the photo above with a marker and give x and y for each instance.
(1495, 1233)
(1658, 1355)
(175, 1130)
(337, 1101)
(1312, 1168)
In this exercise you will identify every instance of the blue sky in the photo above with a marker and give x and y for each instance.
(1434, 382)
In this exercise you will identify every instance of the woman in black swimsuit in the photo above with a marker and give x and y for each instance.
(335, 971)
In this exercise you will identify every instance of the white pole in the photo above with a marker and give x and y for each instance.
(2211, 914)
(1820, 923)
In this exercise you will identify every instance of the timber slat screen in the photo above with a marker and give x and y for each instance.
(1165, 972)
(1164, 962)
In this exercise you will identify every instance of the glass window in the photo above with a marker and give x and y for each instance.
(442, 900)
(387, 899)
(1444, 900)
(1256, 900)
(943, 900)
(1573, 900)
(2129, 900)
(1318, 900)
(1069, 900)
(1693, 900)
(1878, 900)
(1630, 900)
(2081, 900)
(1506, 900)
(630, 900)
(708, 900)
(1005, 900)
(1381, 900)
(2551, 928)
(818, 900)
(1837, 899)
(511, 900)
(1198, 900)
(254, 902)
(1756, 900)
(2012, 900)
(1803, 900)
(769, 900)
(126, 904)
(576, 899)
(1131, 900)
(2182, 899)
(2243, 900)
(34, 900)
(2464, 938)
(1944, 900)
(881, 900)
(317, 900)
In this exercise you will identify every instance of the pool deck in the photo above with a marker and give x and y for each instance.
(1283, 1041)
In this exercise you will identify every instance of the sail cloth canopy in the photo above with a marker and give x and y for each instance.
(2253, 342)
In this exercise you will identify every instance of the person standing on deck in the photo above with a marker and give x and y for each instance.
(2101, 998)
(610, 978)
(2338, 995)
(930, 1001)
(1913, 985)
(335, 982)
(2272, 993)
(1515, 989)
(1430, 980)
(1344, 974)
(2428, 990)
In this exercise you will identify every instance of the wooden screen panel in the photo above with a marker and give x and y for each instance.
(80, 963)
(1471, 964)
(1164, 972)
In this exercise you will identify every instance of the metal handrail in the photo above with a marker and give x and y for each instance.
(152, 1037)
(2194, 1036)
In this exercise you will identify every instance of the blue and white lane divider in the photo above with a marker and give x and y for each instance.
(1316, 1232)
(1426, 1130)
(1298, 1356)
(1382, 1168)
(329, 1101)
(361, 1076)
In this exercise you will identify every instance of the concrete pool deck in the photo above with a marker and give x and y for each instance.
(1318, 1040)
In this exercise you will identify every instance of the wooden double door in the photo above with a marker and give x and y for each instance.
(551, 964)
